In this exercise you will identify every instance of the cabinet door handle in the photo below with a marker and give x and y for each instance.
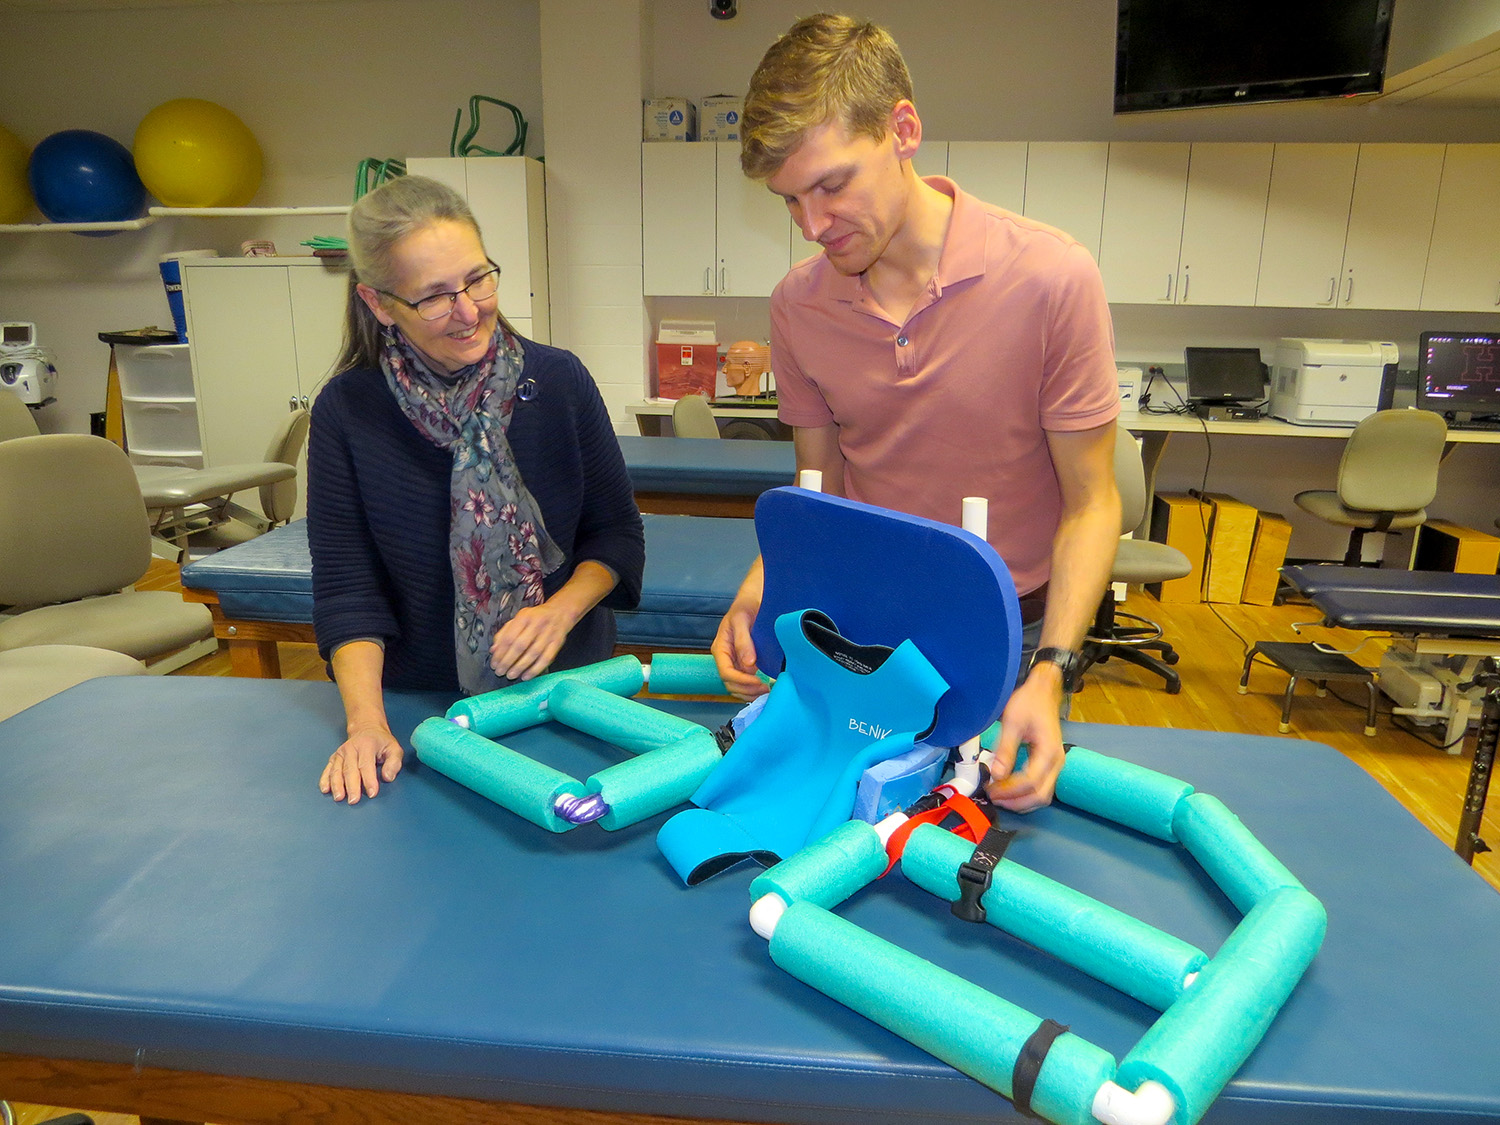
(1497, 292)
(1187, 280)
(291, 404)
(305, 403)
(1333, 290)
(723, 280)
(708, 280)
(1167, 296)
(1349, 290)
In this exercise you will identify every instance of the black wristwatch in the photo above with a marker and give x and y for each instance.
(1064, 658)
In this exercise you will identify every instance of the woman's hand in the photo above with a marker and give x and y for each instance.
(526, 644)
(369, 756)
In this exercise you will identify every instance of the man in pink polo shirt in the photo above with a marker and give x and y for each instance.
(937, 348)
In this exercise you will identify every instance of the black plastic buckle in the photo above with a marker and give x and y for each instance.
(976, 873)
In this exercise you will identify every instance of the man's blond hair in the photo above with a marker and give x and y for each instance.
(825, 68)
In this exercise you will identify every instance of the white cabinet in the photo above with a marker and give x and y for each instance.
(1307, 217)
(1223, 222)
(706, 228)
(1065, 187)
(994, 171)
(508, 197)
(1145, 191)
(1463, 264)
(1349, 225)
(1390, 225)
(263, 334)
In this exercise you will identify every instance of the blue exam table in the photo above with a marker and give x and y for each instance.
(261, 591)
(181, 903)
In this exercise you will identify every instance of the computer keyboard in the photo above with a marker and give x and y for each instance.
(1476, 424)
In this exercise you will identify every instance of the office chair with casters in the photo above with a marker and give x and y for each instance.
(1387, 476)
(16, 419)
(194, 509)
(1127, 636)
(691, 417)
(76, 541)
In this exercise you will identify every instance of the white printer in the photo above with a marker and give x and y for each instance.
(1330, 382)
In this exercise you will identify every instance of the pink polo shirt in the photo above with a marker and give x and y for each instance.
(1011, 339)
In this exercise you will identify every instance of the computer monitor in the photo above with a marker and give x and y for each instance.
(1458, 374)
(1224, 376)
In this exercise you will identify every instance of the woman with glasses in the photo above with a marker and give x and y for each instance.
(469, 513)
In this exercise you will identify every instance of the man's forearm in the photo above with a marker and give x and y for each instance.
(1083, 554)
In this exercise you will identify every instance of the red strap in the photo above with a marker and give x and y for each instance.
(975, 825)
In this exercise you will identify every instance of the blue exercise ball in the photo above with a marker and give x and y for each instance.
(79, 176)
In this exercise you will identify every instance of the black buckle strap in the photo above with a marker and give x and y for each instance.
(1029, 1064)
(976, 873)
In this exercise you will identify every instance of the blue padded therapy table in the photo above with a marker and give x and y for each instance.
(260, 591)
(192, 931)
(705, 476)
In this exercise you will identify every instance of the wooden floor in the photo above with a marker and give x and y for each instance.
(1211, 641)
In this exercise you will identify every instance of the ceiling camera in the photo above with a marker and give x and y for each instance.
(723, 9)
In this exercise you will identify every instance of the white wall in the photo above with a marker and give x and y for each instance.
(321, 85)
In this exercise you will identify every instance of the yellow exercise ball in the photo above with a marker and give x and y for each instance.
(15, 191)
(193, 153)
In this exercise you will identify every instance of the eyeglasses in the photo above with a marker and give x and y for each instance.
(439, 305)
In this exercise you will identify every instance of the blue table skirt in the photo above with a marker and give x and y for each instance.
(705, 466)
(178, 894)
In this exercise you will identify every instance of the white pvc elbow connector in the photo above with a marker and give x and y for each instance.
(765, 914)
(811, 479)
(1152, 1104)
(645, 674)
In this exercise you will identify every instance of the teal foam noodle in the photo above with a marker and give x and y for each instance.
(513, 781)
(685, 673)
(828, 871)
(1094, 938)
(498, 713)
(656, 780)
(1197, 1044)
(626, 723)
(1229, 852)
(1123, 792)
(957, 1021)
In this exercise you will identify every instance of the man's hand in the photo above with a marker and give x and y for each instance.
(1031, 717)
(369, 756)
(734, 651)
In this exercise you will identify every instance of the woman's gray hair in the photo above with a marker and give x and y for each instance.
(378, 222)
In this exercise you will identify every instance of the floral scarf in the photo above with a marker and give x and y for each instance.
(497, 543)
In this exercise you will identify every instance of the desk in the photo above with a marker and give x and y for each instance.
(1273, 478)
(704, 477)
(181, 902)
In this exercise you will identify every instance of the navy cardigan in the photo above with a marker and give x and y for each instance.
(378, 516)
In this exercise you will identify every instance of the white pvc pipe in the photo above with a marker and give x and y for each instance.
(811, 479)
(766, 913)
(976, 518)
(1152, 1104)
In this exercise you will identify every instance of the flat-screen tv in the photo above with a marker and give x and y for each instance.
(1176, 54)
(1458, 374)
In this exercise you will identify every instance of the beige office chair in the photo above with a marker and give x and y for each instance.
(194, 509)
(74, 542)
(1387, 476)
(1127, 636)
(30, 675)
(16, 419)
(691, 417)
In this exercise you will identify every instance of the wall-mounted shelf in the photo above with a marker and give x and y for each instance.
(154, 213)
